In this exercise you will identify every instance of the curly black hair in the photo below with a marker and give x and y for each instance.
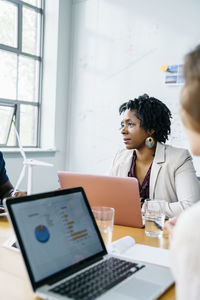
(152, 113)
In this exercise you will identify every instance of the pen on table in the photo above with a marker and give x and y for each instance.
(13, 193)
(158, 225)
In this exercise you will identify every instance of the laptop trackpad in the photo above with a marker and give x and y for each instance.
(138, 289)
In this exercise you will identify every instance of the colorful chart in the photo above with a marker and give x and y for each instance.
(42, 233)
(70, 226)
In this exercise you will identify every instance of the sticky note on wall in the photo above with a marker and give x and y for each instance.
(164, 68)
(173, 74)
(170, 69)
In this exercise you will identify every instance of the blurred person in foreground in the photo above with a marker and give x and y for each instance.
(185, 240)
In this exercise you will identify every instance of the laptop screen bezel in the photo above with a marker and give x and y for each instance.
(10, 202)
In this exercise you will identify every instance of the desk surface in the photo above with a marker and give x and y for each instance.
(14, 280)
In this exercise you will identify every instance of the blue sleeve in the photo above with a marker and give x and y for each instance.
(3, 175)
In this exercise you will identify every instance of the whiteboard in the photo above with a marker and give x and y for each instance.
(118, 47)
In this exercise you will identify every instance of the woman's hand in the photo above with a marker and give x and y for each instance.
(169, 225)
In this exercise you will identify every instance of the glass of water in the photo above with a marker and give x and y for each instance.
(104, 217)
(154, 217)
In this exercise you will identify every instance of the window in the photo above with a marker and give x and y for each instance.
(21, 48)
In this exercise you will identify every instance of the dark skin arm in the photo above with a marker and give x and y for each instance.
(6, 190)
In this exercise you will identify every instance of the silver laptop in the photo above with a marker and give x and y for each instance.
(65, 255)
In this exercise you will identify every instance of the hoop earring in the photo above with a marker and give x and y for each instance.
(150, 142)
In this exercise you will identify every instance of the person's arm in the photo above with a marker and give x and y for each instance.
(6, 187)
(169, 225)
(121, 163)
(187, 186)
(112, 171)
(6, 190)
(185, 262)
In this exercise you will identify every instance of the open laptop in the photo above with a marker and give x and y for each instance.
(121, 193)
(65, 255)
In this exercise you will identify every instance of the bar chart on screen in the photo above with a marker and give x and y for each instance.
(72, 230)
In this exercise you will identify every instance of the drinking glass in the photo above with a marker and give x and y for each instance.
(104, 217)
(154, 217)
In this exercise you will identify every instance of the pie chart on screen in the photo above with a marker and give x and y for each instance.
(42, 233)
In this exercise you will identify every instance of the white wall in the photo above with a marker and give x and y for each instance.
(55, 99)
(118, 47)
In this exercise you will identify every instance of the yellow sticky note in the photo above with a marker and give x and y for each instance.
(164, 68)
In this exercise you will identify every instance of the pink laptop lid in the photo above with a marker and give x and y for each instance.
(119, 192)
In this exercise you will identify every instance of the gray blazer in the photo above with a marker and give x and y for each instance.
(173, 177)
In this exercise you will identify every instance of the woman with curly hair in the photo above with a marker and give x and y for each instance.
(163, 172)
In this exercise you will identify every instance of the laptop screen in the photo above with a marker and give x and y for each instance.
(56, 232)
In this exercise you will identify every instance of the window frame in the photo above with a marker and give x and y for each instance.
(18, 51)
(11, 120)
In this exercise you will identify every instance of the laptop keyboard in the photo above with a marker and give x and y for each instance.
(97, 280)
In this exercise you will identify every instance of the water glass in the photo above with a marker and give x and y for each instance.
(104, 217)
(154, 217)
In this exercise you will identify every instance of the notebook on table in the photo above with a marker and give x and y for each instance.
(121, 193)
(65, 255)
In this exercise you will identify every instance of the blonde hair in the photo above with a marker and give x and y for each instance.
(190, 95)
